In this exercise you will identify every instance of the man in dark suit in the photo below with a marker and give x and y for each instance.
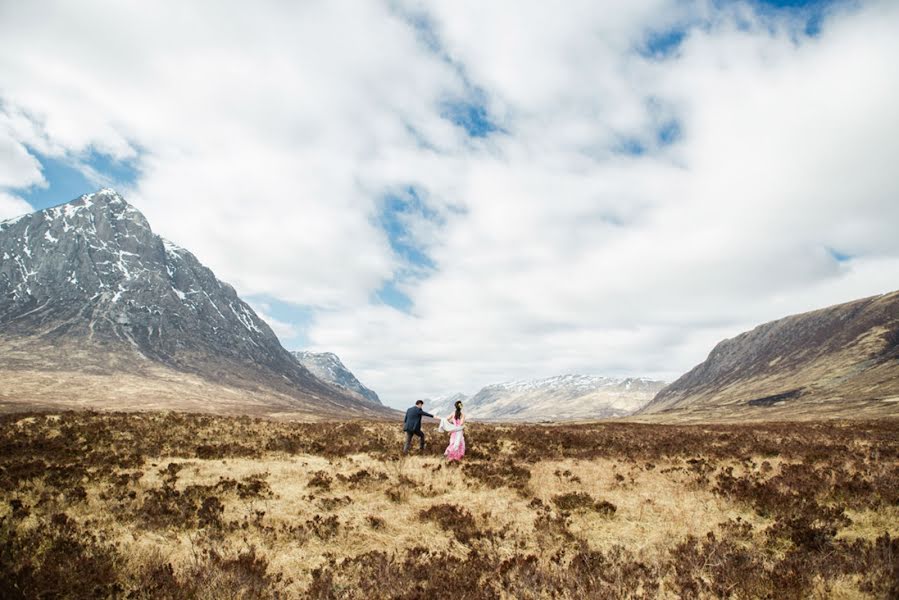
(412, 425)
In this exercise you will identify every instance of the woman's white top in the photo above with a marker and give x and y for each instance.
(447, 427)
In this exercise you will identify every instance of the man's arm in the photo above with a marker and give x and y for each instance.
(426, 414)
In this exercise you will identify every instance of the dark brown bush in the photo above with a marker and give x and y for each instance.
(553, 526)
(396, 493)
(231, 450)
(321, 481)
(254, 486)
(58, 559)
(361, 477)
(583, 501)
(19, 509)
(329, 504)
(166, 507)
(324, 527)
(210, 513)
(375, 522)
(212, 574)
(499, 474)
(720, 569)
(454, 519)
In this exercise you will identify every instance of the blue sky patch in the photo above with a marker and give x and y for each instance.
(470, 113)
(668, 133)
(612, 219)
(662, 44)
(630, 147)
(795, 3)
(424, 30)
(297, 316)
(391, 295)
(117, 173)
(838, 256)
(471, 116)
(398, 210)
(66, 181)
(812, 12)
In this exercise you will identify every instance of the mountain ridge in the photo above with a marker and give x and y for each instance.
(836, 360)
(555, 398)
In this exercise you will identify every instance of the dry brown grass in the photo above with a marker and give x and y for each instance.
(53, 375)
(170, 505)
(154, 388)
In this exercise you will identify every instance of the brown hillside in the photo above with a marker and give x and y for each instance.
(837, 361)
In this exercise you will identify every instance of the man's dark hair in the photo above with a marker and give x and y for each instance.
(419, 402)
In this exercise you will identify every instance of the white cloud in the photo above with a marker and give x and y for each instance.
(18, 168)
(266, 134)
(253, 125)
(12, 206)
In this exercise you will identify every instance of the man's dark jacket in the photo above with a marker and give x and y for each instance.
(413, 418)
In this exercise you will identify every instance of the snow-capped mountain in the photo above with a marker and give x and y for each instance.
(442, 406)
(563, 397)
(328, 367)
(97, 310)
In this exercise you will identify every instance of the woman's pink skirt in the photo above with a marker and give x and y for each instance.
(456, 448)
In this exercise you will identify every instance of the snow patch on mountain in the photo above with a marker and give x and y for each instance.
(442, 406)
(562, 397)
(328, 367)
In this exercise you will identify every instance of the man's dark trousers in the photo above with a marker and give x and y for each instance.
(408, 443)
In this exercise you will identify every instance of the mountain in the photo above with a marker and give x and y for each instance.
(444, 405)
(564, 397)
(98, 311)
(837, 361)
(327, 367)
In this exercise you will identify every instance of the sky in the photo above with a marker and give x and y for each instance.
(451, 194)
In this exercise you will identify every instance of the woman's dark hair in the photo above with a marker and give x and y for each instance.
(458, 409)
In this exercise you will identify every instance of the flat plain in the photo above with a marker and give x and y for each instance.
(172, 505)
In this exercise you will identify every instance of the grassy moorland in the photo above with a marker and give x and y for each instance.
(161, 505)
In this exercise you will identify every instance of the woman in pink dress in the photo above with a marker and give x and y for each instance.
(456, 449)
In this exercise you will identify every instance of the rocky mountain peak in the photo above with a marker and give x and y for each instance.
(328, 367)
(92, 272)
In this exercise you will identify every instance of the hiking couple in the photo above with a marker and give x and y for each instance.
(452, 424)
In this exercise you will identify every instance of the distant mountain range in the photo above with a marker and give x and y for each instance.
(97, 311)
(564, 397)
(327, 367)
(836, 361)
(441, 406)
